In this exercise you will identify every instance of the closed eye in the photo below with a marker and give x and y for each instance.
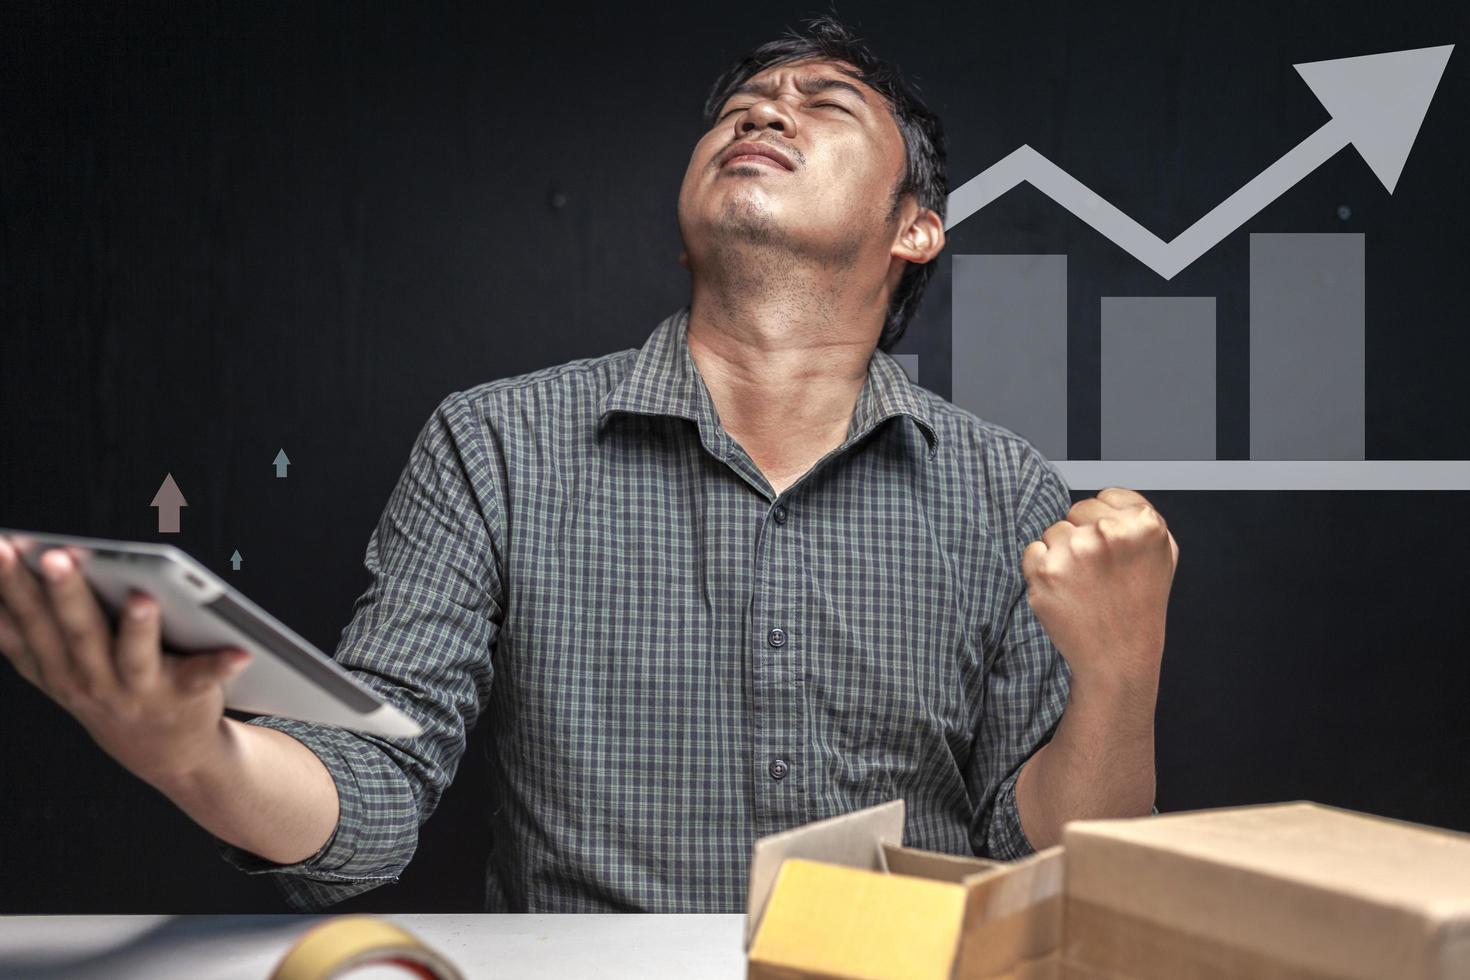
(835, 105)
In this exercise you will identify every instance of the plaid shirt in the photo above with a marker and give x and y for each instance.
(672, 659)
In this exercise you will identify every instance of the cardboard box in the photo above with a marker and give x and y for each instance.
(844, 898)
(1286, 891)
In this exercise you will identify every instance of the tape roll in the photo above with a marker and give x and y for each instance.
(343, 943)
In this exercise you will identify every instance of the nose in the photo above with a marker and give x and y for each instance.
(773, 121)
(766, 113)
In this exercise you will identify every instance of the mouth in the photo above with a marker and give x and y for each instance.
(754, 158)
(757, 153)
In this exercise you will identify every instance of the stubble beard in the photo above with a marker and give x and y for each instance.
(749, 244)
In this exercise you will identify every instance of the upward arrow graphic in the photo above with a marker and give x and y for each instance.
(168, 500)
(1376, 101)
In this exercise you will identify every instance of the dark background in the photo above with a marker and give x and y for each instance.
(229, 229)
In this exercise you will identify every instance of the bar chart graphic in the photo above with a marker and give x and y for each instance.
(1158, 353)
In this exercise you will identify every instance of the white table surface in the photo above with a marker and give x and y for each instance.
(248, 947)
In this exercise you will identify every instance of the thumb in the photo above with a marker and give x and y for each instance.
(198, 672)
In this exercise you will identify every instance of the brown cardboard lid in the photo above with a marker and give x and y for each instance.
(1306, 886)
(1392, 861)
(853, 839)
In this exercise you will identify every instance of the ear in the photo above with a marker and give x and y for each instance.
(922, 239)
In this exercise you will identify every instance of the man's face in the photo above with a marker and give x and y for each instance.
(845, 155)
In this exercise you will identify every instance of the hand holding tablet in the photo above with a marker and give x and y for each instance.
(152, 690)
(159, 715)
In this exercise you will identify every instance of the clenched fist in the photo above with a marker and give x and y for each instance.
(1099, 585)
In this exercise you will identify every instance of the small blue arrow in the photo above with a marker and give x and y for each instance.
(281, 463)
(235, 560)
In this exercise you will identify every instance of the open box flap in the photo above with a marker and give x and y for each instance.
(828, 920)
(1013, 915)
(853, 839)
(901, 860)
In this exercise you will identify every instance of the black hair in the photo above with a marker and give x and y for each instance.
(925, 174)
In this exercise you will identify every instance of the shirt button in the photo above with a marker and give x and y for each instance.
(780, 514)
(778, 769)
(777, 637)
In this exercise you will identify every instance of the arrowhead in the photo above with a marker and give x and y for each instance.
(168, 494)
(236, 556)
(1380, 100)
(281, 459)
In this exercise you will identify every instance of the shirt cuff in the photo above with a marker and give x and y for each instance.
(1006, 840)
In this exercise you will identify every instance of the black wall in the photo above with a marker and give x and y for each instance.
(228, 229)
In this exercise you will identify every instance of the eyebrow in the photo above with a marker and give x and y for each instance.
(806, 84)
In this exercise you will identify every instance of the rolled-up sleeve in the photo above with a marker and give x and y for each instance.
(1028, 681)
(421, 635)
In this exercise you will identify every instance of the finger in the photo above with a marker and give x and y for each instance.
(1058, 533)
(86, 630)
(1090, 511)
(1121, 497)
(28, 604)
(13, 645)
(139, 644)
(1031, 559)
(195, 672)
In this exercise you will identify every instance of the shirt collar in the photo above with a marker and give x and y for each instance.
(664, 380)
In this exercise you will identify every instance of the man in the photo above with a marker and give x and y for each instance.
(742, 578)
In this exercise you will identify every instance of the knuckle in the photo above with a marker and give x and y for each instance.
(53, 668)
(76, 636)
(92, 703)
(84, 687)
(129, 667)
(20, 611)
(123, 711)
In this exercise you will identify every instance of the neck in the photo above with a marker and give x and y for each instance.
(783, 351)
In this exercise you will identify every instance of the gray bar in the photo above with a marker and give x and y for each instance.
(1158, 377)
(1009, 350)
(1144, 475)
(1307, 346)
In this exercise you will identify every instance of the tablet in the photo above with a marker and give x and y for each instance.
(286, 676)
